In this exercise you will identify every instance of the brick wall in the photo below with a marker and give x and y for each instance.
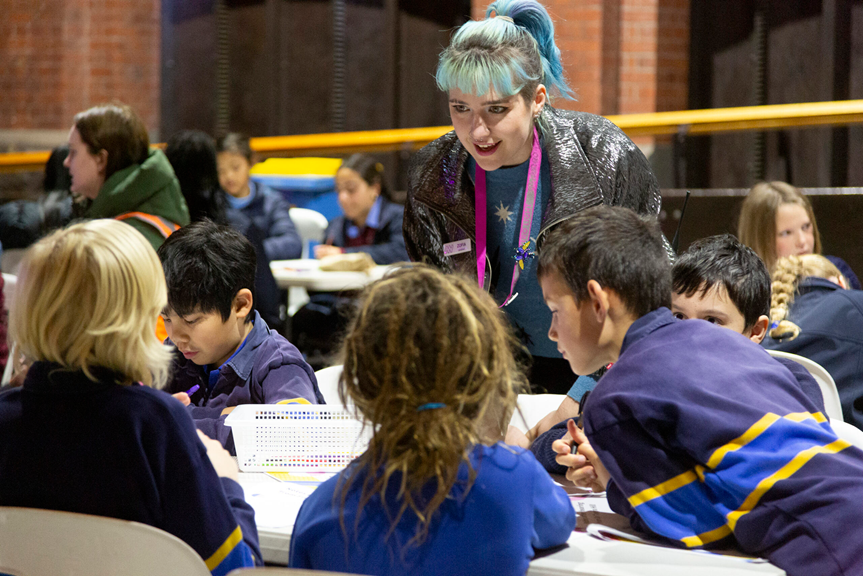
(62, 56)
(622, 56)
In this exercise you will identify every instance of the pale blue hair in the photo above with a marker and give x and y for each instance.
(508, 57)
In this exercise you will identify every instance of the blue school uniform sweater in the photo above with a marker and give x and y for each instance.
(831, 334)
(708, 443)
(129, 452)
(266, 369)
(512, 508)
(385, 218)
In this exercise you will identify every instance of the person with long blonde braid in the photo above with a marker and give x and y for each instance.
(813, 314)
(428, 362)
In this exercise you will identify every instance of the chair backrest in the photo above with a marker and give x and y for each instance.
(37, 542)
(531, 408)
(11, 259)
(9, 283)
(310, 225)
(832, 405)
(848, 432)
(328, 383)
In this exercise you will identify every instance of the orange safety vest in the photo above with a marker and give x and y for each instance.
(165, 228)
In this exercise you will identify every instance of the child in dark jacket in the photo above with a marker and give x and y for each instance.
(87, 302)
(723, 282)
(225, 353)
(694, 433)
(815, 315)
(372, 222)
(251, 204)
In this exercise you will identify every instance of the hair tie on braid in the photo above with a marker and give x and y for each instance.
(507, 18)
(431, 406)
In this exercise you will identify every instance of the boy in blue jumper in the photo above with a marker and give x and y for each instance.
(694, 433)
(723, 282)
(225, 353)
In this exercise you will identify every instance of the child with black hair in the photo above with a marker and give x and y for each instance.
(694, 433)
(724, 282)
(429, 365)
(252, 204)
(226, 354)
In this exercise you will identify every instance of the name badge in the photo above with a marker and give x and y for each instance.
(457, 247)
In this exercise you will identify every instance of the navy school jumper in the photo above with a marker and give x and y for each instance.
(707, 443)
(266, 369)
(129, 452)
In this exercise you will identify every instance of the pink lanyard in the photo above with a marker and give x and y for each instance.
(521, 252)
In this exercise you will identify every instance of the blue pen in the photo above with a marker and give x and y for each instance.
(192, 390)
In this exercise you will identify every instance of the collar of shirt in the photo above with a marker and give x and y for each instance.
(373, 220)
(645, 325)
(815, 283)
(53, 378)
(242, 361)
(240, 203)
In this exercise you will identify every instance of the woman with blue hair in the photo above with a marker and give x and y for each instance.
(482, 197)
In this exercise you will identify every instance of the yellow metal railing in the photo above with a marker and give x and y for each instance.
(654, 124)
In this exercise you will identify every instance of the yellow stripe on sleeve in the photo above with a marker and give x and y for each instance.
(235, 538)
(801, 416)
(662, 489)
(786, 471)
(707, 537)
(294, 401)
(756, 430)
(751, 434)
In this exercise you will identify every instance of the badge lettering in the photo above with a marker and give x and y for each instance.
(457, 247)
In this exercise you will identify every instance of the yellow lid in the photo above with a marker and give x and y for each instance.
(297, 167)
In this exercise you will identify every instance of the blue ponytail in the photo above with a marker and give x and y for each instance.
(509, 55)
(533, 17)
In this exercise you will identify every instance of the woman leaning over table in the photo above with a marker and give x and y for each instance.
(527, 164)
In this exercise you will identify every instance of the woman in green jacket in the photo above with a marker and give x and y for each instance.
(111, 163)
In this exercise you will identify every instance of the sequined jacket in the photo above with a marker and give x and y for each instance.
(592, 162)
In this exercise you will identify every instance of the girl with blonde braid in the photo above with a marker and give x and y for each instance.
(428, 362)
(813, 314)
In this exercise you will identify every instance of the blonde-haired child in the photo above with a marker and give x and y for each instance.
(85, 314)
(813, 314)
(428, 362)
(776, 220)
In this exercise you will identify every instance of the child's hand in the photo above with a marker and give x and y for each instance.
(226, 467)
(584, 467)
(182, 397)
(515, 437)
(324, 250)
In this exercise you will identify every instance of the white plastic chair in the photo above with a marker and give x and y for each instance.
(532, 408)
(328, 383)
(37, 542)
(832, 405)
(11, 258)
(9, 283)
(847, 432)
(311, 226)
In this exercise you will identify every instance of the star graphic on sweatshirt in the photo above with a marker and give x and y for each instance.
(503, 213)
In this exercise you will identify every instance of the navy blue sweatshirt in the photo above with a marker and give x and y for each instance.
(708, 443)
(129, 452)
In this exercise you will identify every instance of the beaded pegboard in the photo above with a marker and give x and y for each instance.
(322, 438)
